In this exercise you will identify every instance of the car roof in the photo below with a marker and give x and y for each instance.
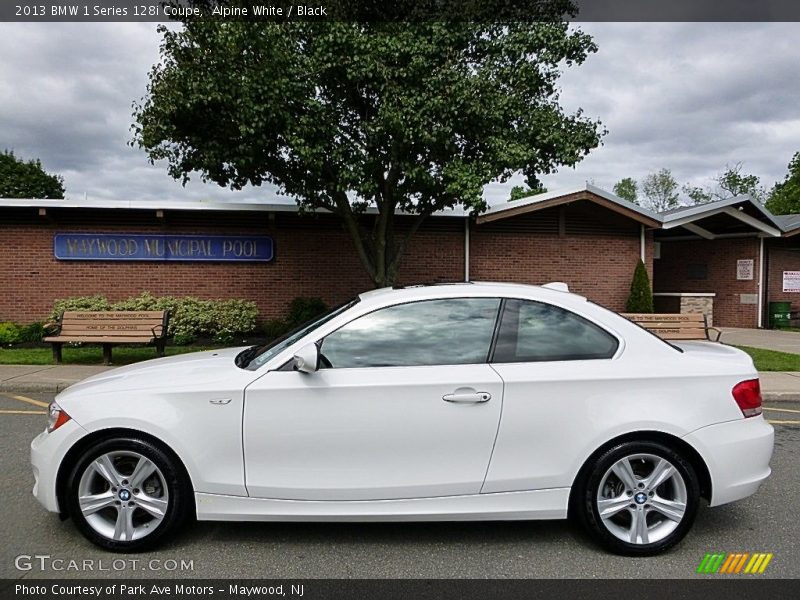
(556, 293)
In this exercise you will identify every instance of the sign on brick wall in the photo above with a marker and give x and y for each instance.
(744, 269)
(791, 281)
(156, 247)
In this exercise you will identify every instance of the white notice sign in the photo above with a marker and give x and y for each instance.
(744, 269)
(791, 281)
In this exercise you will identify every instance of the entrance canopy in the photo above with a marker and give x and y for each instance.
(740, 216)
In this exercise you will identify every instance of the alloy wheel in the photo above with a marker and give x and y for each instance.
(123, 495)
(642, 499)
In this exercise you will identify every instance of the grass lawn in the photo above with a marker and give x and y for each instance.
(771, 360)
(88, 355)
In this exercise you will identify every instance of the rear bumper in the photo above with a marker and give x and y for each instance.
(737, 454)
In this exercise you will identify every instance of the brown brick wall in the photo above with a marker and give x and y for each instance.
(308, 262)
(719, 257)
(599, 267)
(596, 256)
(783, 255)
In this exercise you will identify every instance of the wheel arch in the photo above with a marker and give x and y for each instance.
(74, 453)
(677, 444)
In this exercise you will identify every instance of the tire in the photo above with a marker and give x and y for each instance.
(126, 494)
(646, 509)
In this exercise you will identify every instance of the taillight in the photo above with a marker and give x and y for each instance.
(748, 396)
(56, 417)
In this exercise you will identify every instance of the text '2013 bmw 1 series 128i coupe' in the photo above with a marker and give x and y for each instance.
(483, 401)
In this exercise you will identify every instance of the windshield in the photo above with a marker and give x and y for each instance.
(252, 358)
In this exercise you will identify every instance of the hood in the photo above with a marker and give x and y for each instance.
(195, 369)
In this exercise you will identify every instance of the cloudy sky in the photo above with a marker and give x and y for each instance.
(691, 97)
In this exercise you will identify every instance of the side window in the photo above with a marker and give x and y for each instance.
(454, 331)
(534, 331)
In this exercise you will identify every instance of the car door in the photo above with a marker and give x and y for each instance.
(404, 406)
(561, 373)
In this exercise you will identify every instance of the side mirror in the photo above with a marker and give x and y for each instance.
(306, 359)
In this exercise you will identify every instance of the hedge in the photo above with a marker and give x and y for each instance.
(189, 319)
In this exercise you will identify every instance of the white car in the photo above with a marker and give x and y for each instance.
(450, 402)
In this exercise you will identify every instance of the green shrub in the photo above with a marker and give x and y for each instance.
(274, 328)
(31, 333)
(304, 309)
(189, 317)
(79, 303)
(9, 333)
(640, 299)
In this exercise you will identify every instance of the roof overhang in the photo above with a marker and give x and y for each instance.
(588, 193)
(713, 220)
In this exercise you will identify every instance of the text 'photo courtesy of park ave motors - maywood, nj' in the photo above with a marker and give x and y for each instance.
(399, 299)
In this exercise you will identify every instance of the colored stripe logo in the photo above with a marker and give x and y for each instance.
(734, 562)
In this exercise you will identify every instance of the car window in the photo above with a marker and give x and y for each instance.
(432, 332)
(534, 331)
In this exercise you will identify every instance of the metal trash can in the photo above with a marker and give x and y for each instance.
(779, 315)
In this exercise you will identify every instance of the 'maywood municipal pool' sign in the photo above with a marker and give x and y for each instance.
(155, 247)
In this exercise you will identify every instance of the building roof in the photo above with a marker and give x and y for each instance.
(738, 213)
(790, 224)
(587, 192)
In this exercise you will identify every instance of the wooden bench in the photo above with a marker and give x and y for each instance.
(111, 327)
(671, 326)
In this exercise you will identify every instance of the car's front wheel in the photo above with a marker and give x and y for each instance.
(639, 498)
(127, 494)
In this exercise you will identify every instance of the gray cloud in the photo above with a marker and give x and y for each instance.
(691, 97)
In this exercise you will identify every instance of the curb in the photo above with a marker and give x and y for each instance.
(35, 387)
(781, 396)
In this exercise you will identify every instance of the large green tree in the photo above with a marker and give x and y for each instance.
(367, 119)
(784, 197)
(27, 179)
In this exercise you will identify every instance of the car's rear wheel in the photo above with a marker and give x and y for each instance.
(127, 494)
(639, 498)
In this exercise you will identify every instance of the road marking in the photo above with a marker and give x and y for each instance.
(35, 412)
(783, 422)
(781, 409)
(31, 400)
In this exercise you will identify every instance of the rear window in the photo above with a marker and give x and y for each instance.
(535, 331)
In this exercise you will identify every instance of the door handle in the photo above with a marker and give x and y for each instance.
(467, 397)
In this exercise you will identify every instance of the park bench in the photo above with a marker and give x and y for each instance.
(672, 326)
(111, 327)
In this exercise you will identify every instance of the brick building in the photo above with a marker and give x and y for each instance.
(588, 238)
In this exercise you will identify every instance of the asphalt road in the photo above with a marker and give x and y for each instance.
(766, 522)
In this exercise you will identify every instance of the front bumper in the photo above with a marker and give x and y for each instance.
(737, 454)
(47, 453)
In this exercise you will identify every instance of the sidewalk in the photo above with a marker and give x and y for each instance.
(43, 379)
(768, 339)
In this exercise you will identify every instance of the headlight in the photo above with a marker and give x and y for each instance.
(56, 417)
